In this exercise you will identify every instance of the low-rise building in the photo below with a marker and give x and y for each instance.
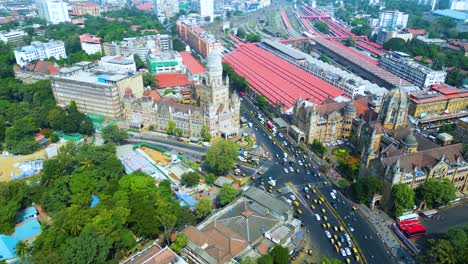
(33, 72)
(39, 51)
(440, 104)
(95, 90)
(139, 45)
(251, 225)
(14, 38)
(403, 66)
(155, 254)
(90, 44)
(193, 68)
(384, 34)
(80, 9)
(121, 63)
(164, 62)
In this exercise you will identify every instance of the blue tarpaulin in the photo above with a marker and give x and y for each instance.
(187, 199)
(95, 201)
(27, 229)
(27, 213)
(7, 247)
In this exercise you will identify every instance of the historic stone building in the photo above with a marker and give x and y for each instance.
(329, 121)
(217, 110)
(391, 151)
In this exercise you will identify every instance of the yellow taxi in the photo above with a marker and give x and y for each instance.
(324, 226)
(335, 228)
(336, 238)
(299, 211)
(296, 203)
(357, 258)
(312, 206)
(279, 190)
(348, 260)
(323, 210)
(315, 201)
(270, 190)
(325, 218)
(310, 186)
(338, 243)
(337, 249)
(307, 196)
(328, 225)
(342, 229)
(321, 199)
(319, 202)
(313, 190)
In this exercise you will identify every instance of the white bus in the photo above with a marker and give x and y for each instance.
(429, 213)
(407, 217)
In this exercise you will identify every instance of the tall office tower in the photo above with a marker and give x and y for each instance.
(461, 5)
(431, 3)
(54, 11)
(393, 19)
(207, 9)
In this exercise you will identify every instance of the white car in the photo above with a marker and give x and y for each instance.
(348, 251)
(306, 189)
(285, 170)
(280, 134)
(333, 196)
(347, 237)
(334, 191)
(291, 169)
(351, 229)
(343, 252)
(285, 143)
(317, 217)
(292, 197)
(328, 233)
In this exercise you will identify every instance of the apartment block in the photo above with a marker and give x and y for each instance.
(15, 38)
(402, 65)
(54, 11)
(393, 19)
(197, 38)
(164, 62)
(90, 44)
(39, 51)
(95, 90)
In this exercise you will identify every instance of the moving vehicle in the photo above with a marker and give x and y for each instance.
(285, 170)
(296, 203)
(333, 196)
(307, 196)
(291, 169)
(343, 252)
(317, 217)
(323, 210)
(312, 207)
(348, 251)
(328, 234)
(299, 212)
(292, 197)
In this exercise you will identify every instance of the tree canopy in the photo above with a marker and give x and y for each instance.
(365, 187)
(221, 155)
(203, 208)
(190, 179)
(451, 248)
(226, 194)
(402, 198)
(322, 27)
(435, 193)
(113, 134)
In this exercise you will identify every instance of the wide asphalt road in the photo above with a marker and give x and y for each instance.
(373, 249)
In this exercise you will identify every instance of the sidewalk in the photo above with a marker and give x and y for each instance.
(381, 222)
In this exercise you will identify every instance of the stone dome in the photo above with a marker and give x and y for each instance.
(410, 140)
(213, 62)
(350, 107)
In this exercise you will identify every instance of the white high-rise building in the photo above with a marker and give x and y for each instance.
(393, 19)
(207, 9)
(54, 11)
(39, 51)
(431, 3)
(461, 5)
(165, 9)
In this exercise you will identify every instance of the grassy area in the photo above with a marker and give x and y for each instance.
(342, 183)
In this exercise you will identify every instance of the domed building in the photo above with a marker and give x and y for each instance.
(394, 111)
(217, 112)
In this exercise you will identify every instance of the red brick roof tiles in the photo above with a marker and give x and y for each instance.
(277, 79)
(191, 63)
(171, 80)
(90, 39)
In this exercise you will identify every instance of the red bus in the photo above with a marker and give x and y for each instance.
(414, 231)
(269, 124)
(408, 222)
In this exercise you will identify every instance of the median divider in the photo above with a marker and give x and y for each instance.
(267, 131)
(338, 217)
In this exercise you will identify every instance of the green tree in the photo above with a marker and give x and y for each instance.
(318, 148)
(322, 27)
(210, 178)
(402, 198)
(203, 208)
(365, 187)
(324, 58)
(251, 37)
(248, 260)
(221, 155)
(241, 33)
(88, 247)
(280, 255)
(395, 44)
(114, 134)
(262, 102)
(362, 30)
(178, 44)
(350, 42)
(170, 127)
(439, 251)
(190, 179)
(178, 244)
(226, 194)
(149, 80)
(23, 250)
(435, 193)
(138, 62)
(265, 259)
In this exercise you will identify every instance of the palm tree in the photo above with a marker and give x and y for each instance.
(22, 250)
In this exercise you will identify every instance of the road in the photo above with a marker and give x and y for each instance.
(373, 249)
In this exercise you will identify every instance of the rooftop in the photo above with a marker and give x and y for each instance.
(90, 39)
(278, 80)
(166, 80)
(155, 255)
(7, 247)
(457, 15)
(268, 201)
(94, 75)
(27, 229)
(193, 66)
(438, 92)
(27, 213)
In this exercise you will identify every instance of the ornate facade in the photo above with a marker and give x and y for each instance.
(391, 151)
(217, 110)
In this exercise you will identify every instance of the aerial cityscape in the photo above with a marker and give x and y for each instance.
(240, 132)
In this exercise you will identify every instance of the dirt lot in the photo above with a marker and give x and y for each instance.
(157, 156)
(7, 164)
